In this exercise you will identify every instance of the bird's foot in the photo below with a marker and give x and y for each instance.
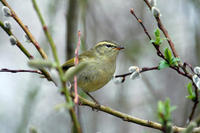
(96, 107)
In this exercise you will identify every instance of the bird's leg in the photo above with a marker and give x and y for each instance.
(69, 86)
(96, 102)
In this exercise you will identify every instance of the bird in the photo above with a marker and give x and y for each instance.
(100, 66)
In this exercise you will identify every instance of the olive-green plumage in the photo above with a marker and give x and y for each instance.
(101, 64)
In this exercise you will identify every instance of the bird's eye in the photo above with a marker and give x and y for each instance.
(109, 46)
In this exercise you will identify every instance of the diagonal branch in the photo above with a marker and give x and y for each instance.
(25, 51)
(183, 66)
(26, 30)
(19, 45)
(129, 118)
(164, 30)
(196, 101)
(61, 73)
(19, 71)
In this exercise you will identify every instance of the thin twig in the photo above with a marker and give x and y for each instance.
(196, 101)
(25, 51)
(76, 63)
(171, 44)
(144, 69)
(140, 22)
(159, 53)
(19, 45)
(61, 73)
(26, 30)
(164, 30)
(128, 118)
(19, 71)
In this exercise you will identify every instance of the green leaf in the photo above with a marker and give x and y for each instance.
(168, 55)
(164, 111)
(189, 87)
(163, 64)
(192, 95)
(157, 33)
(152, 41)
(160, 106)
(175, 61)
(158, 40)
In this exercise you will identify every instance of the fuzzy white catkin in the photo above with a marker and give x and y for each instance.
(13, 40)
(198, 85)
(156, 12)
(6, 11)
(195, 79)
(7, 25)
(117, 80)
(133, 68)
(27, 39)
(135, 75)
(197, 70)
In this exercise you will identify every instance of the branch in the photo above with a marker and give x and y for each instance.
(61, 73)
(129, 118)
(26, 30)
(19, 45)
(171, 44)
(144, 69)
(17, 71)
(164, 30)
(196, 101)
(159, 53)
(25, 51)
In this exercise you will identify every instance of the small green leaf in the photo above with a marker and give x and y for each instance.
(192, 95)
(163, 64)
(189, 87)
(175, 61)
(157, 33)
(160, 106)
(168, 55)
(152, 41)
(164, 111)
(158, 40)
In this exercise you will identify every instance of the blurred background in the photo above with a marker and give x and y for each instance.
(28, 101)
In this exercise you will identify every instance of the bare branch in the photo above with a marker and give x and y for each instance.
(129, 118)
(19, 71)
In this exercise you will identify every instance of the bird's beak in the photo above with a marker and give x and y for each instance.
(119, 47)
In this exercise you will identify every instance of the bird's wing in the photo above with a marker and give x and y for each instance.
(68, 64)
(84, 56)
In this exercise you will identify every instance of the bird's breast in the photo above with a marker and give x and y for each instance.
(96, 75)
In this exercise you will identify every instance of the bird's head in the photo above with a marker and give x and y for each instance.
(107, 48)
